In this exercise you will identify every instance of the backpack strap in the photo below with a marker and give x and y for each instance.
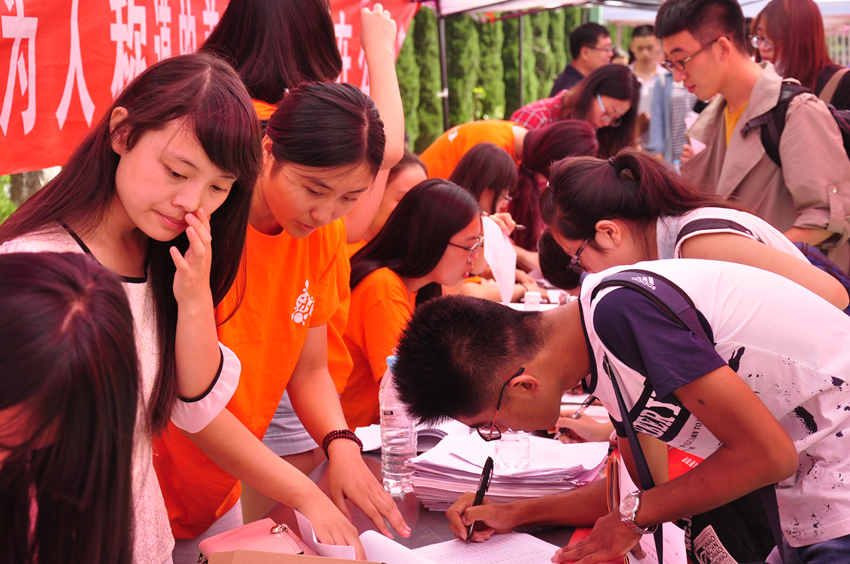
(832, 85)
(772, 122)
(679, 307)
(713, 224)
(671, 299)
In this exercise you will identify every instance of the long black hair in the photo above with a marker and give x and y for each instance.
(70, 365)
(418, 231)
(207, 95)
(277, 44)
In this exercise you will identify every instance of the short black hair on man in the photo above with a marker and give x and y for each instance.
(645, 30)
(457, 352)
(586, 35)
(706, 20)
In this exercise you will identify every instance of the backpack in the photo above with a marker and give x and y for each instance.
(772, 122)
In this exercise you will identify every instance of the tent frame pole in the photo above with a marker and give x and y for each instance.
(444, 79)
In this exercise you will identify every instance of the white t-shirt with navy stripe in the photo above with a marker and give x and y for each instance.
(791, 347)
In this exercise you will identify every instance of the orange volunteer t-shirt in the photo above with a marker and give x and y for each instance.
(339, 361)
(442, 156)
(381, 305)
(291, 286)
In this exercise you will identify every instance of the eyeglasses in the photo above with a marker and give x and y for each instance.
(680, 64)
(492, 433)
(759, 42)
(473, 250)
(606, 118)
(609, 50)
(575, 265)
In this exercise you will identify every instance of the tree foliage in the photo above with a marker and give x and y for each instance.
(408, 84)
(491, 71)
(426, 45)
(544, 59)
(463, 54)
(558, 38)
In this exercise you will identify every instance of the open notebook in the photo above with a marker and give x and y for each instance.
(512, 548)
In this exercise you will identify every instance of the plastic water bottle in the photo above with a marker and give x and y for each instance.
(398, 437)
(677, 165)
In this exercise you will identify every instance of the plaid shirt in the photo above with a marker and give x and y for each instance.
(539, 113)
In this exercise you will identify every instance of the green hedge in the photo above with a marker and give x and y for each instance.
(491, 71)
(408, 84)
(426, 44)
(544, 59)
(462, 59)
(558, 38)
(510, 59)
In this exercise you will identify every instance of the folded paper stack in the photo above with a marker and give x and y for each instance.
(454, 466)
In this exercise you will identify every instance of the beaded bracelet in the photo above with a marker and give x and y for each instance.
(340, 434)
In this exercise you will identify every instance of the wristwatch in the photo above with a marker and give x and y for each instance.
(628, 509)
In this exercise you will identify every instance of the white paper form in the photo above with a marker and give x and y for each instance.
(512, 548)
(309, 538)
(501, 257)
(674, 537)
(381, 549)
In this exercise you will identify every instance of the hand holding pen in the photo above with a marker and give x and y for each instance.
(486, 476)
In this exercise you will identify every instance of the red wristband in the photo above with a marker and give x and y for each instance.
(340, 434)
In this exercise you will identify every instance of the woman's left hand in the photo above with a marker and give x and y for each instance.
(349, 477)
(192, 278)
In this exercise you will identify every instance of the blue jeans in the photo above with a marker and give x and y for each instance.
(835, 551)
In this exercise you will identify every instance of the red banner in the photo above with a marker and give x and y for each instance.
(68, 58)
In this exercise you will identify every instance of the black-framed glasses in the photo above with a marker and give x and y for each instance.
(492, 433)
(575, 264)
(606, 118)
(760, 42)
(609, 50)
(680, 64)
(472, 250)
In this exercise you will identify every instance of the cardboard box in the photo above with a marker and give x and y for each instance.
(256, 557)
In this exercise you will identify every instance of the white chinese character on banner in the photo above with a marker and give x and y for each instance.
(19, 28)
(162, 40)
(187, 28)
(210, 17)
(75, 74)
(129, 38)
(343, 33)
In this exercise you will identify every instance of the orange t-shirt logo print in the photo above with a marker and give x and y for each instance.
(303, 305)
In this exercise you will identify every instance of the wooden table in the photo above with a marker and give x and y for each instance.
(428, 527)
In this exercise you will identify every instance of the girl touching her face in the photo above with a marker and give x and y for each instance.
(159, 193)
(322, 148)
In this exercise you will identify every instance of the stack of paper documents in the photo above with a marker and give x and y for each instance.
(454, 466)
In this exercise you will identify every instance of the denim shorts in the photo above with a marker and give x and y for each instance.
(286, 435)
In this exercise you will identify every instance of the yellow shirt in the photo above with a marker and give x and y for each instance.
(732, 121)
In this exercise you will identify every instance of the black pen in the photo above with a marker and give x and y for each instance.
(482, 489)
